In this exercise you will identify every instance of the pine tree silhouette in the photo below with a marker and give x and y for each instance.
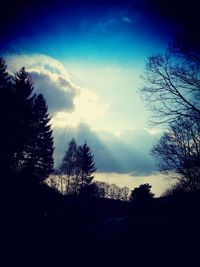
(5, 79)
(40, 149)
(69, 162)
(26, 136)
(22, 118)
(86, 164)
(69, 168)
(6, 136)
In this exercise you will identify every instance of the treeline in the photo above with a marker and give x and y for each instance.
(75, 176)
(95, 188)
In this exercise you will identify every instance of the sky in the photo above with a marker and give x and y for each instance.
(87, 59)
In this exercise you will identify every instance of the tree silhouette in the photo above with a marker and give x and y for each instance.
(172, 87)
(178, 153)
(92, 190)
(5, 78)
(112, 191)
(7, 131)
(26, 135)
(76, 169)
(125, 193)
(40, 149)
(141, 194)
(22, 118)
(173, 92)
(86, 165)
(176, 189)
(68, 168)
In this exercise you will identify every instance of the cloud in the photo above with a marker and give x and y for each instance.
(62, 120)
(49, 78)
(68, 103)
(112, 153)
(88, 106)
(59, 95)
(127, 20)
(38, 62)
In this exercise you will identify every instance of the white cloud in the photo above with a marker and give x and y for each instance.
(69, 104)
(88, 106)
(49, 77)
(36, 62)
(64, 119)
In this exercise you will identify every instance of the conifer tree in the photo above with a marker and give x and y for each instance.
(69, 162)
(35, 151)
(6, 102)
(68, 167)
(40, 147)
(22, 117)
(26, 140)
(5, 78)
(77, 168)
(86, 165)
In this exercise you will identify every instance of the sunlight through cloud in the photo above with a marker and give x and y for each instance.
(69, 104)
(64, 119)
(88, 106)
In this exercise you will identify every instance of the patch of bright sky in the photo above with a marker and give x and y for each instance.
(117, 87)
(158, 181)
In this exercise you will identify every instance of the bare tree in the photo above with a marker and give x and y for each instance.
(178, 153)
(112, 191)
(172, 91)
(102, 186)
(172, 84)
(125, 192)
(175, 189)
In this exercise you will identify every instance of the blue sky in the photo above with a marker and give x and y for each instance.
(87, 60)
(117, 32)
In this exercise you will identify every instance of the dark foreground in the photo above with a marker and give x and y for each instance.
(88, 231)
